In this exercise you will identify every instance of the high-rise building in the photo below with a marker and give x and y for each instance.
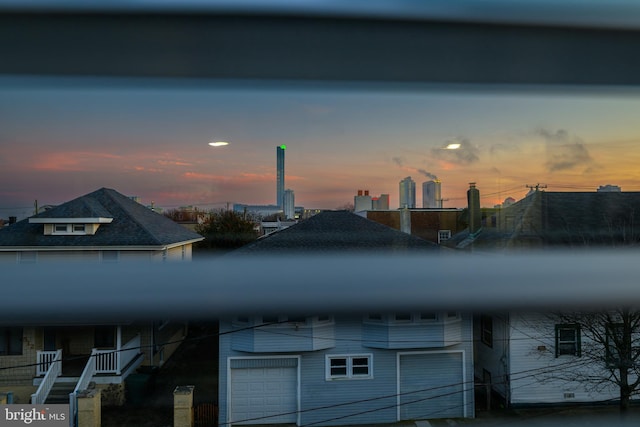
(431, 194)
(280, 175)
(289, 206)
(407, 193)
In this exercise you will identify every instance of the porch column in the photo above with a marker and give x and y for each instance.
(119, 348)
(182, 406)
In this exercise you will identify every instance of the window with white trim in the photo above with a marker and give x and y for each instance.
(349, 367)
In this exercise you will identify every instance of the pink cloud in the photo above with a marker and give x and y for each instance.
(70, 161)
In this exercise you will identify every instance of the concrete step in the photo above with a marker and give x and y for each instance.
(60, 393)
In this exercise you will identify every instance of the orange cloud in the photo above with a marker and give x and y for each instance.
(174, 163)
(207, 176)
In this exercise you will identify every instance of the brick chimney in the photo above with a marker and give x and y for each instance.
(473, 200)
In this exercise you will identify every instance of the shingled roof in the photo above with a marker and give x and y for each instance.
(546, 219)
(133, 225)
(337, 231)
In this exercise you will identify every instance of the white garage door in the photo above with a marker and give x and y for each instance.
(431, 386)
(264, 391)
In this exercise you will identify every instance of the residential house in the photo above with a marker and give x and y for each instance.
(559, 220)
(98, 228)
(536, 357)
(434, 225)
(359, 368)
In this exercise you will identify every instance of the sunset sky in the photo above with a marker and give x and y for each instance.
(60, 139)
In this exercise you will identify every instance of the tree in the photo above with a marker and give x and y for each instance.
(227, 230)
(609, 341)
(346, 207)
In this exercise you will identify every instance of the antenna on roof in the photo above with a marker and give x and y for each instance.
(536, 187)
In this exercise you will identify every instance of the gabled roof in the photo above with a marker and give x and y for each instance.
(133, 225)
(337, 231)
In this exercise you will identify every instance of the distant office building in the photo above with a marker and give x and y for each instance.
(407, 193)
(431, 194)
(365, 202)
(362, 202)
(609, 189)
(380, 203)
(259, 210)
(289, 206)
(280, 175)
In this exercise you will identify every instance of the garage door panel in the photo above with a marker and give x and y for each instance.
(431, 386)
(263, 392)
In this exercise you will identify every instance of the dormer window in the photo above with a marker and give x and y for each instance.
(70, 229)
(70, 226)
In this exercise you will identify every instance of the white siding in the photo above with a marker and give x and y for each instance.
(537, 375)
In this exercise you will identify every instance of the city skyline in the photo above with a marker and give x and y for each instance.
(62, 138)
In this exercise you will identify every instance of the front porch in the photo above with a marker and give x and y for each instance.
(102, 366)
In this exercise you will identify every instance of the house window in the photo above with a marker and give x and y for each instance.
(270, 319)
(376, 317)
(297, 319)
(349, 367)
(453, 315)
(429, 317)
(105, 337)
(402, 317)
(79, 228)
(486, 330)
(614, 344)
(60, 228)
(444, 235)
(323, 318)
(568, 340)
(10, 341)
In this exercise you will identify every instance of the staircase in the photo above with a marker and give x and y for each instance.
(59, 394)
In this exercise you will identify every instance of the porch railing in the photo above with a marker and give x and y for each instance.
(112, 361)
(45, 358)
(53, 372)
(83, 383)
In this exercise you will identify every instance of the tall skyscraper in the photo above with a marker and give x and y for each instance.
(289, 204)
(280, 175)
(431, 194)
(407, 193)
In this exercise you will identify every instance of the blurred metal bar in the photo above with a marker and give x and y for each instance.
(313, 48)
(65, 292)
